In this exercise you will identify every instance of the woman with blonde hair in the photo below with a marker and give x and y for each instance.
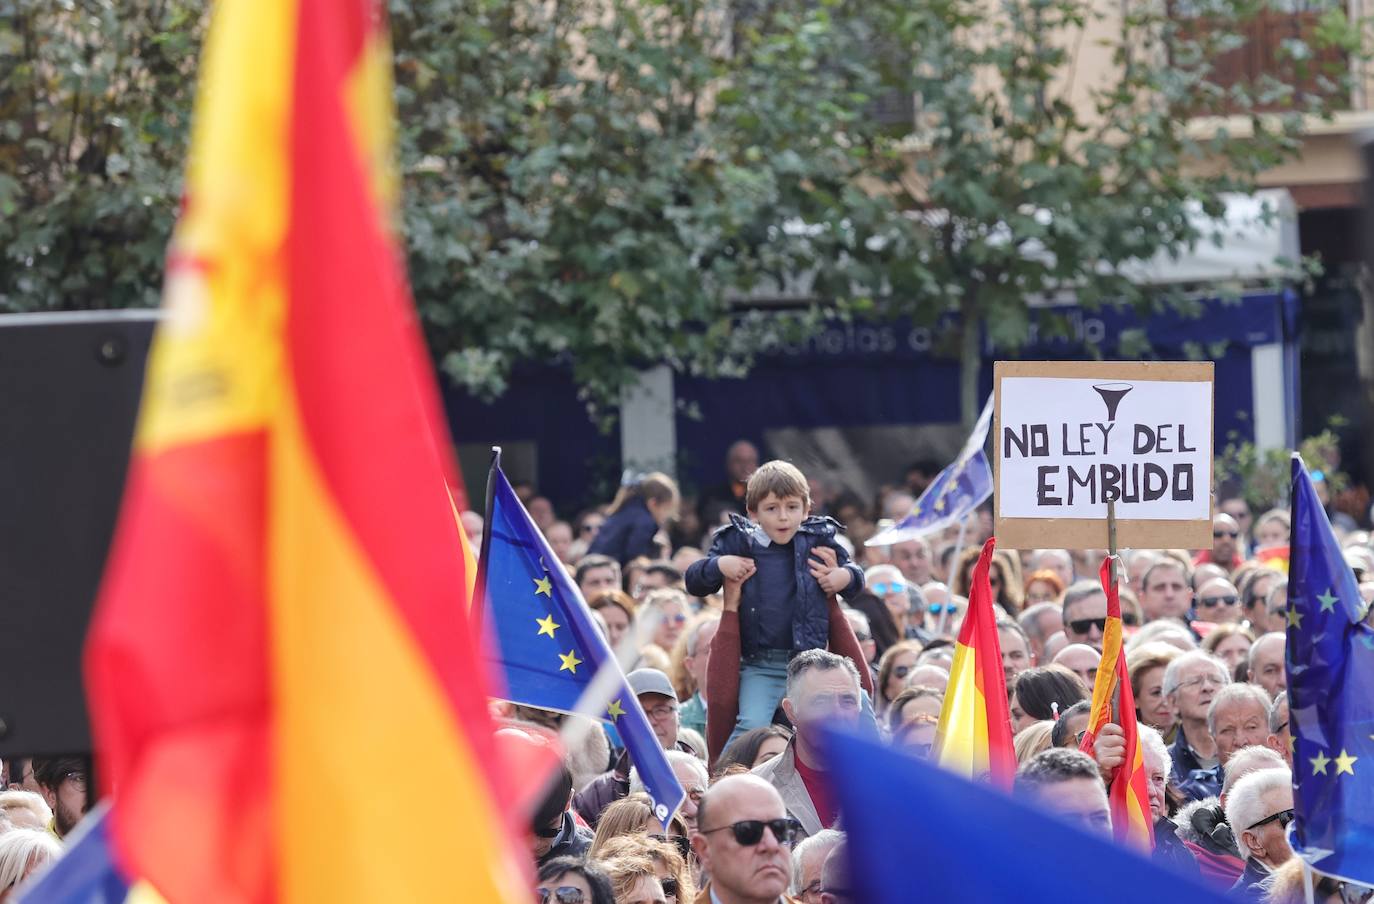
(22, 853)
(633, 816)
(1145, 665)
(634, 880)
(1032, 739)
(670, 863)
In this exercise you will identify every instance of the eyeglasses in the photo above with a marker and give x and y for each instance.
(937, 608)
(662, 711)
(591, 527)
(1218, 534)
(902, 671)
(883, 588)
(1213, 680)
(861, 637)
(1082, 625)
(563, 894)
(669, 887)
(1283, 817)
(1211, 602)
(1129, 618)
(749, 832)
(78, 780)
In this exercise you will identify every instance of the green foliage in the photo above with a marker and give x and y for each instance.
(1264, 477)
(95, 99)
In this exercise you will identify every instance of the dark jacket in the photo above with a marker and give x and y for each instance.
(1170, 852)
(765, 611)
(627, 534)
(572, 841)
(1247, 887)
(607, 788)
(1188, 774)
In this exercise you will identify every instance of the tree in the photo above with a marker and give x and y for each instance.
(1019, 182)
(95, 102)
(595, 182)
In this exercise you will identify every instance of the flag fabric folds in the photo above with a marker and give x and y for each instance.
(1330, 659)
(547, 645)
(955, 492)
(283, 609)
(974, 734)
(1129, 792)
(911, 826)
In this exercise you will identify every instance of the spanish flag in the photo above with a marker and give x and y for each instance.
(1129, 794)
(974, 734)
(284, 685)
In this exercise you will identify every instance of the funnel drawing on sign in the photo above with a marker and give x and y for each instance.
(1112, 393)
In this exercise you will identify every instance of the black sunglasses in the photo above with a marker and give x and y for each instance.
(1128, 618)
(1211, 602)
(902, 671)
(1218, 534)
(749, 832)
(563, 894)
(1284, 817)
(1081, 625)
(669, 887)
(681, 842)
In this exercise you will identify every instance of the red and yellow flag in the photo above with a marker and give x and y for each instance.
(974, 734)
(283, 682)
(1129, 794)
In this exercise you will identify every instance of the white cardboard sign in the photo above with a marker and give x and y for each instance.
(1072, 436)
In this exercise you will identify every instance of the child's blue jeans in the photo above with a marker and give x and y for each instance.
(763, 684)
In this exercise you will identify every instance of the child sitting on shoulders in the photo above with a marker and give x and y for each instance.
(784, 598)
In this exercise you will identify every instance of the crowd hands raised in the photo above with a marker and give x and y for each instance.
(752, 615)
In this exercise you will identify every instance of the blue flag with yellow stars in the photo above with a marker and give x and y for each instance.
(957, 490)
(1330, 657)
(87, 873)
(548, 648)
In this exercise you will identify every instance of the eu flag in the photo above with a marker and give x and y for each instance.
(911, 825)
(548, 648)
(1330, 657)
(86, 874)
(957, 490)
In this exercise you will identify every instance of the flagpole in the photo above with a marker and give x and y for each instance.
(479, 587)
(958, 549)
(1112, 554)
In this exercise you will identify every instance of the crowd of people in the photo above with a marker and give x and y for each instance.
(755, 614)
(737, 680)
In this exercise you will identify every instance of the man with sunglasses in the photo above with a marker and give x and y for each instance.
(744, 843)
(1218, 602)
(1085, 614)
(1225, 549)
(822, 689)
(1259, 809)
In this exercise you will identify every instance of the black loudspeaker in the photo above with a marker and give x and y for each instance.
(69, 385)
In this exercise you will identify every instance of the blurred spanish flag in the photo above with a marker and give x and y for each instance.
(1132, 821)
(974, 734)
(286, 695)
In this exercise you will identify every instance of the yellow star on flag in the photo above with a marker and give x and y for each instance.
(1319, 763)
(1292, 744)
(570, 662)
(544, 586)
(1345, 763)
(615, 710)
(1328, 601)
(1294, 618)
(547, 625)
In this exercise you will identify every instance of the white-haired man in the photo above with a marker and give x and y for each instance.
(807, 860)
(1264, 663)
(692, 775)
(1237, 717)
(1259, 809)
(1280, 738)
(1191, 681)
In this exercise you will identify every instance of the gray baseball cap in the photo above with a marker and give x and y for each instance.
(650, 681)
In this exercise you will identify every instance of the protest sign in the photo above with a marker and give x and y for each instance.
(1072, 436)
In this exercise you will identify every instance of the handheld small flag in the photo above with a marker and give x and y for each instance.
(974, 734)
(1330, 658)
(970, 843)
(549, 648)
(1129, 793)
(957, 490)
